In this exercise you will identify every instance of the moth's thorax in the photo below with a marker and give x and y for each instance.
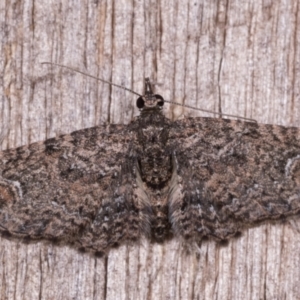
(154, 159)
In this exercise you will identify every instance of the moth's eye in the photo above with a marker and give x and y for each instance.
(140, 103)
(161, 100)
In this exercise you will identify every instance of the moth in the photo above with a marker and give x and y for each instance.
(194, 178)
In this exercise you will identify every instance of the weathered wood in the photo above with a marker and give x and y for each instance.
(242, 56)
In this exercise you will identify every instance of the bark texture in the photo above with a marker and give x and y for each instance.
(238, 57)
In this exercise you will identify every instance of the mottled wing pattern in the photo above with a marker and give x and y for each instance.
(232, 174)
(75, 187)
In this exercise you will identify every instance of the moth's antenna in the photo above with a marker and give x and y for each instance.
(209, 111)
(91, 76)
(135, 93)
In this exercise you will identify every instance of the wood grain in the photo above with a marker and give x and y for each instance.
(238, 56)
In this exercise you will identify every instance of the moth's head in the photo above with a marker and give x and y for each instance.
(149, 100)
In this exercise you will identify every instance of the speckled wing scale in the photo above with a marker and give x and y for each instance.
(72, 188)
(197, 177)
(234, 175)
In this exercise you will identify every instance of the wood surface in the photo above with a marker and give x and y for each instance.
(240, 57)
